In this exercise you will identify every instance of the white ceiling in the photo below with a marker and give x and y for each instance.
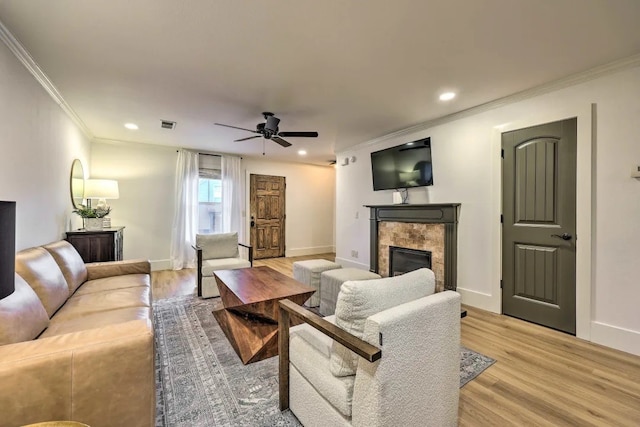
(351, 70)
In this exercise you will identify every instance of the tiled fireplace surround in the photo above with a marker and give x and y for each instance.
(431, 227)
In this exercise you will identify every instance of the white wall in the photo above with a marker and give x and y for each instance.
(39, 143)
(467, 170)
(310, 200)
(146, 175)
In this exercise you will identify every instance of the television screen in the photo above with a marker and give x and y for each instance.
(405, 166)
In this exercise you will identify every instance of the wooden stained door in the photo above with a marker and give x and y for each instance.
(539, 224)
(267, 195)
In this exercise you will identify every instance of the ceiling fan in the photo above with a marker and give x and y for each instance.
(269, 130)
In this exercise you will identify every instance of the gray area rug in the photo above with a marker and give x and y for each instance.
(200, 381)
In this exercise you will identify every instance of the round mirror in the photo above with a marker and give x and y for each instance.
(77, 183)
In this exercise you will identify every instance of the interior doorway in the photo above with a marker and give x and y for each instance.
(539, 224)
(267, 215)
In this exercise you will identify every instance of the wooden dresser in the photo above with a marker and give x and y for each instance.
(98, 246)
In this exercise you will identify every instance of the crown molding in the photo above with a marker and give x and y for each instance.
(574, 79)
(27, 60)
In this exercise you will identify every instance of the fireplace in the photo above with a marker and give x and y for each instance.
(429, 227)
(404, 260)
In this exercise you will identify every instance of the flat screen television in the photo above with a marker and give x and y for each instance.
(405, 166)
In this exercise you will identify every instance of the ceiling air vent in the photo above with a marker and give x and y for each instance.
(166, 124)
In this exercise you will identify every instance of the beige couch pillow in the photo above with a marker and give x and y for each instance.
(22, 315)
(38, 268)
(361, 299)
(221, 245)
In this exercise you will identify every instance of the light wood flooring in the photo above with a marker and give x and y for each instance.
(542, 377)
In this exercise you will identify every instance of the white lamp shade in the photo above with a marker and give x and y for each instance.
(101, 189)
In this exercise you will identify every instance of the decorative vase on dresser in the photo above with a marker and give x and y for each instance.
(93, 224)
(104, 244)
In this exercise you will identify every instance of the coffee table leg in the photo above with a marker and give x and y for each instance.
(283, 351)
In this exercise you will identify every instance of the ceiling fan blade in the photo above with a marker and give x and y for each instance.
(281, 141)
(235, 127)
(299, 134)
(249, 137)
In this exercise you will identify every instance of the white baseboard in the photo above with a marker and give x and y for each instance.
(347, 263)
(310, 251)
(160, 264)
(615, 337)
(479, 300)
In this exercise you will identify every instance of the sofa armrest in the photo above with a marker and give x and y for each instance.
(100, 377)
(99, 270)
(353, 343)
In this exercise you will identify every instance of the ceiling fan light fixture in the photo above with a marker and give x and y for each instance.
(302, 152)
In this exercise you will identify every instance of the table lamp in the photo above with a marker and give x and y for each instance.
(101, 189)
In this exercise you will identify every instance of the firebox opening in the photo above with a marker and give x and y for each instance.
(404, 260)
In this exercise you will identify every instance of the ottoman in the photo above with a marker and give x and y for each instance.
(331, 281)
(308, 272)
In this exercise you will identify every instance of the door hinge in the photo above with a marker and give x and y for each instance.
(501, 219)
(501, 283)
(502, 153)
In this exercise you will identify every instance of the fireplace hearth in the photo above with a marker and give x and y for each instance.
(404, 260)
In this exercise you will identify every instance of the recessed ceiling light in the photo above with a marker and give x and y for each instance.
(447, 96)
(131, 126)
(302, 152)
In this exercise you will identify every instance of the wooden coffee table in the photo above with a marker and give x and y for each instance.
(249, 318)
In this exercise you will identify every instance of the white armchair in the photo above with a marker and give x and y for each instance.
(407, 368)
(218, 252)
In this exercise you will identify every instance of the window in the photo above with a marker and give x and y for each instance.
(209, 195)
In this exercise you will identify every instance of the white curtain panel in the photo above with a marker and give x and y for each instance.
(185, 218)
(232, 195)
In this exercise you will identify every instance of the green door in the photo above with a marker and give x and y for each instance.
(539, 224)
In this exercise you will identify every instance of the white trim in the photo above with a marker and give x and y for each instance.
(310, 251)
(479, 300)
(616, 337)
(584, 193)
(593, 73)
(30, 64)
(160, 264)
(347, 263)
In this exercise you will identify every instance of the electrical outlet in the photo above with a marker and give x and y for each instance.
(357, 214)
(355, 254)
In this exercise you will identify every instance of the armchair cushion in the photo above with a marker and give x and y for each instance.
(222, 245)
(22, 315)
(361, 299)
(211, 265)
(313, 365)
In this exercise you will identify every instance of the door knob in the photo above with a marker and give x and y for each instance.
(563, 236)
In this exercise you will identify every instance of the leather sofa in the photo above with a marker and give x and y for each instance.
(76, 341)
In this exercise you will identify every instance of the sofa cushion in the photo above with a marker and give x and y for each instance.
(86, 304)
(113, 283)
(313, 365)
(211, 265)
(70, 262)
(64, 325)
(22, 315)
(38, 268)
(221, 245)
(360, 299)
